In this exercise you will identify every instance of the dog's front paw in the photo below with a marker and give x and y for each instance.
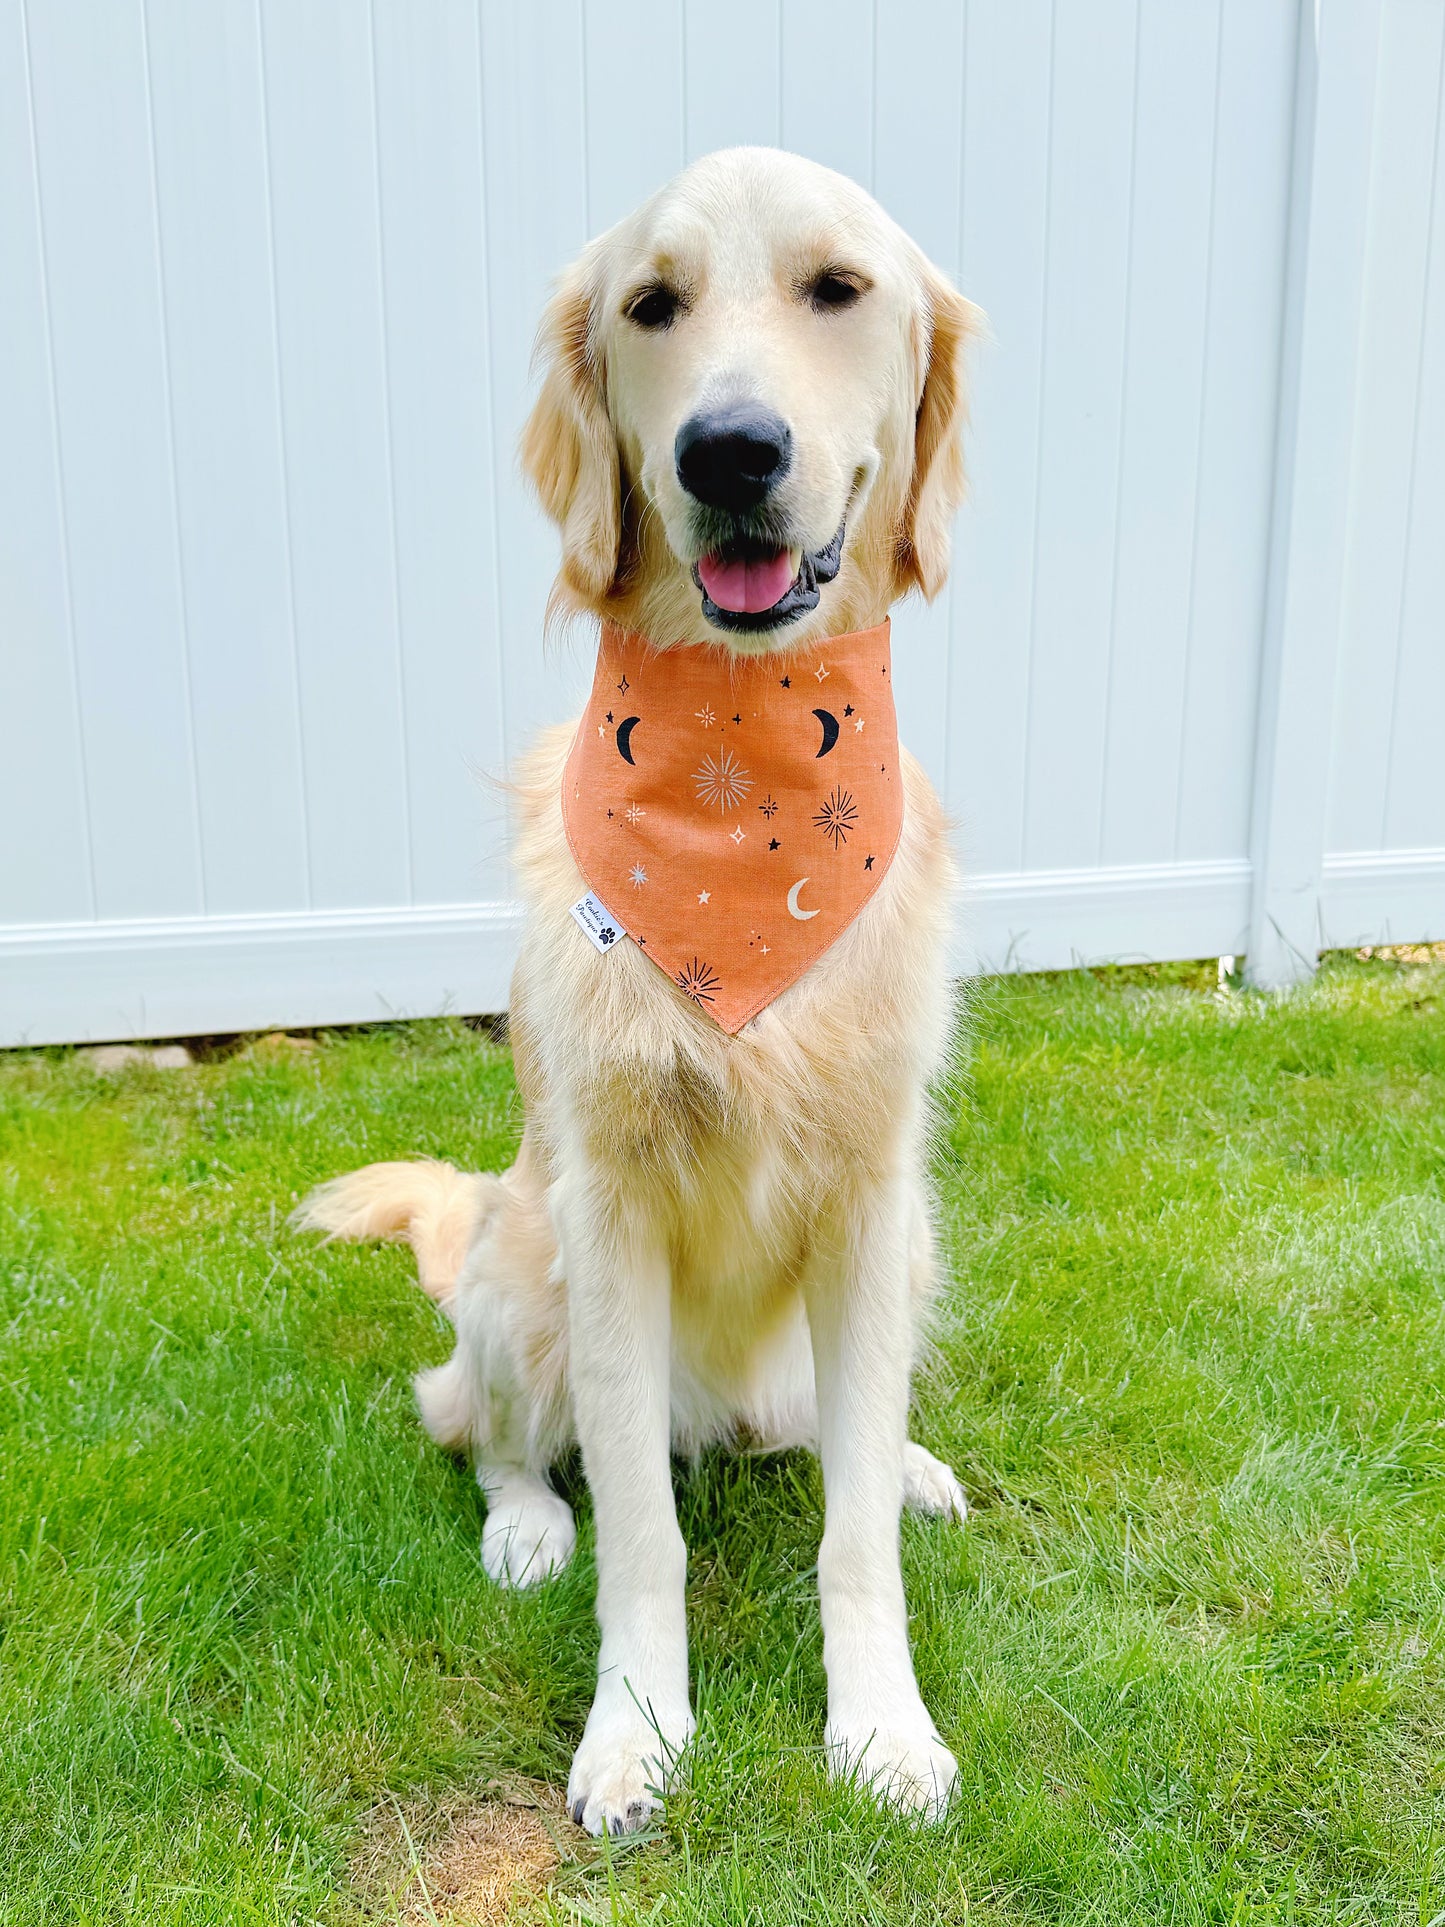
(623, 1768)
(905, 1764)
(528, 1538)
(931, 1486)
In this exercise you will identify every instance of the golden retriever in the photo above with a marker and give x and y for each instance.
(709, 1237)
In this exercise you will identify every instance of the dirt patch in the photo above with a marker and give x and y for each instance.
(462, 1863)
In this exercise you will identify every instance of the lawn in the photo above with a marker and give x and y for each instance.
(1187, 1649)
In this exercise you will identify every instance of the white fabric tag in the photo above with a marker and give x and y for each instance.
(601, 926)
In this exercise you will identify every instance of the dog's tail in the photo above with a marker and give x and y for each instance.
(432, 1205)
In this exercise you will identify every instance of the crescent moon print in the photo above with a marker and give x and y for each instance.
(624, 738)
(793, 907)
(830, 729)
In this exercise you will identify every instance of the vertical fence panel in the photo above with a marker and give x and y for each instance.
(205, 79)
(1386, 544)
(319, 80)
(1239, 411)
(1008, 87)
(107, 332)
(44, 875)
(732, 75)
(1091, 203)
(1167, 317)
(434, 262)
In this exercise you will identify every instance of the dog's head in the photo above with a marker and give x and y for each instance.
(751, 409)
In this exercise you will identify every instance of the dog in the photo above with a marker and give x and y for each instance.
(748, 432)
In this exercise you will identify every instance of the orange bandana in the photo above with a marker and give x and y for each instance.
(733, 813)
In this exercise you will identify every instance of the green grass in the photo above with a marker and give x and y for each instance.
(1188, 1649)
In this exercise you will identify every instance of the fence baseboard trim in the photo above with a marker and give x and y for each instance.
(1382, 896)
(188, 976)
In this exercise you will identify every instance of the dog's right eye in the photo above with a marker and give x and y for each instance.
(654, 307)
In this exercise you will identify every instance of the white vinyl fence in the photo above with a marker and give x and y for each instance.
(271, 593)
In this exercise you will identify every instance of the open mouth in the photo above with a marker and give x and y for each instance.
(750, 585)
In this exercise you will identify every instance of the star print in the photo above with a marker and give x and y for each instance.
(623, 686)
(737, 719)
(602, 729)
(787, 682)
(867, 863)
(609, 715)
(775, 845)
(738, 834)
(848, 711)
(705, 896)
(858, 722)
(821, 672)
(639, 876)
(764, 948)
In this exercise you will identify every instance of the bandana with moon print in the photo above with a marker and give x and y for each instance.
(735, 813)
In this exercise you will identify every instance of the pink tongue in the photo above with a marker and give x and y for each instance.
(748, 585)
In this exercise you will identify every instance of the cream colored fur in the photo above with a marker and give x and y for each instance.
(709, 1238)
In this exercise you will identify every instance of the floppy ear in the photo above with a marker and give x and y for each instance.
(945, 328)
(569, 449)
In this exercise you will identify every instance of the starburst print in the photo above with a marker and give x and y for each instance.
(699, 981)
(635, 812)
(704, 716)
(769, 806)
(838, 816)
(639, 876)
(722, 780)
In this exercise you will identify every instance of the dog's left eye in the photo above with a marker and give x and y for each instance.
(654, 307)
(834, 290)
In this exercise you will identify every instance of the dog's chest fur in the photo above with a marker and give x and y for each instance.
(740, 1146)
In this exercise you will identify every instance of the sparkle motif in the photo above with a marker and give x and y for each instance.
(737, 719)
(639, 876)
(768, 806)
(699, 981)
(623, 686)
(722, 780)
(821, 672)
(635, 812)
(838, 816)
(704, 716)
(738, 834)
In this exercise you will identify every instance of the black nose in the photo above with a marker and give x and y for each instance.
(730, 457)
